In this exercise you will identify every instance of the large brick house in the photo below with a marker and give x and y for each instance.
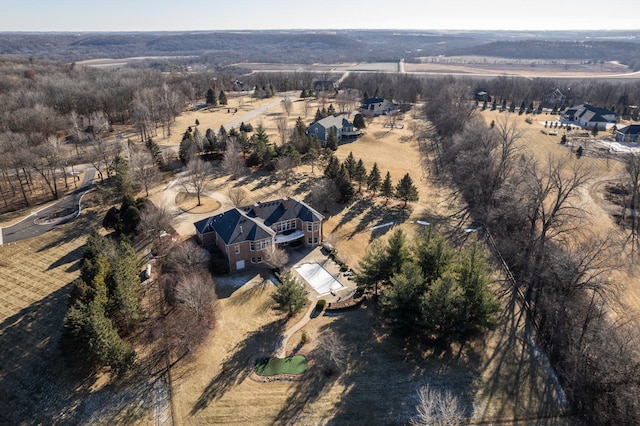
(245, 235)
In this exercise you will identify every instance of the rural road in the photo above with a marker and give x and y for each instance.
(28, 228)
(258, 111)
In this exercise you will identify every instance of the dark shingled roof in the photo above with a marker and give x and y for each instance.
(233, 226)
(275, 211)
(253, 223)
(632, 129)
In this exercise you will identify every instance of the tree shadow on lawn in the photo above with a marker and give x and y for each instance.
(40, 385)
(383, 372)
(518, 385)
(237, 367)
(74, 256)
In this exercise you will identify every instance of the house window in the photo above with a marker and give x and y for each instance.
(256, 259)
(309, 227)
(315, 240)
(286, 225)
(309, 240)
(237, 248)
(259, 245)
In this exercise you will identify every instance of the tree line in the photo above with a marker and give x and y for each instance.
(529, 207)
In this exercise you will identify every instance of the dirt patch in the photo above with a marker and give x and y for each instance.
(189, 203)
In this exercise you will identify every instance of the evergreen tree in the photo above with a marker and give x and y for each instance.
(343, 183)
(433, 253)
(387, 187)
(332, 141)
(406, 190)
(350, 165)
(222, 98)
(123, 184)
(374, 180)
(358, 121)
(360, 174)
(402, 301)
(211, 97)
(318, 116)
(512, 107)
(333, 168)
(187, 147)
(397, 252)
(331, 110)
(155, 151)
(504, 105)
(304, 94)
(222, 133)
(479, 306)
(371, 269)
(290, 297)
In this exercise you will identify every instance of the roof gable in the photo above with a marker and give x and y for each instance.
(234, 226)
(632, 129)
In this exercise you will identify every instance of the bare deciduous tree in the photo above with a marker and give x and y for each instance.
(287, 105)
(237, 196)
(282, 124)
(154, 220)
(331, 352)
(437, 409)
(145, 170)
(284, 168)
(185, 256)
(199, 175)
(232, 162)
(324, 193)
(195, 291)
(276, 257)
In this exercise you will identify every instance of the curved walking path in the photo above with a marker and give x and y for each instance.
(280, 350)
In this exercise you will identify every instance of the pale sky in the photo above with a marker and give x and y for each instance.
(173, 15)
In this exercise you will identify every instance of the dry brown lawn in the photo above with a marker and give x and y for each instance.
(498, 377)
(189, 203)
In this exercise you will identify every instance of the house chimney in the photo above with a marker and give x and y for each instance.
(285, 202)
(257, 208)
(240, 229)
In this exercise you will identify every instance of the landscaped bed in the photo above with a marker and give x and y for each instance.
(265, 366)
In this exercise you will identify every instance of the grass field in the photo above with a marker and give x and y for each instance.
(270, 366)
(497, 377)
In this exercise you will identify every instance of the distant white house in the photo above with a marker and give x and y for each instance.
(588, 117)
(629, 133)
(378, 106)
(339, 124)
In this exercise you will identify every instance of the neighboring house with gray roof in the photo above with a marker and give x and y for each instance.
(339, 124)
(588, 117)
(245, 235)
(629, 133)
(378, 106)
